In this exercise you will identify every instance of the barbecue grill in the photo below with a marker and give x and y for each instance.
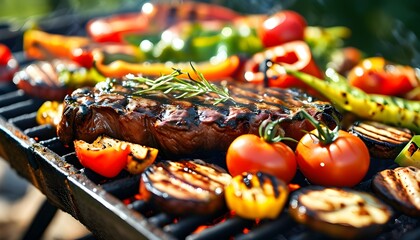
(111, 208)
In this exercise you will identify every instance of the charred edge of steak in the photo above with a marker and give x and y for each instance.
(184, 127)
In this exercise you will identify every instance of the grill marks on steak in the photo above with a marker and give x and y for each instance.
(183, 127)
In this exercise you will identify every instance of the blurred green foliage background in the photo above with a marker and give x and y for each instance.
(379, 27)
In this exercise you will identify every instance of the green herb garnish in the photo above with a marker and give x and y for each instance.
(182, 87)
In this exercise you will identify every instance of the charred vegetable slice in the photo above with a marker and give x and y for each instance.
(410, 155)
(185, 186)
(383, 141)
(339, 212)
(258, 195)
(391, 110)
(401, 188)
(108, 156)
(49, 113)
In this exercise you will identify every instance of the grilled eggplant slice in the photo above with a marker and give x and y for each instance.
(383, 141)
(185, 187)
(256, 195)
(399, 187)
(339, 212)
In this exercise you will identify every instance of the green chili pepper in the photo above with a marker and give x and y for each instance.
(392, 110)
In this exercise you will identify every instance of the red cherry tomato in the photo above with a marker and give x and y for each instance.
(342, 163)
(376, 75)
(283, 26)
(250, 153)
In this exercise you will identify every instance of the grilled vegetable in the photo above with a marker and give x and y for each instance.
(382, 140)
(340, 213)
(108, 156)
(256, 196)
(41, 79)
(331, 157)
(400, 187)
(391, 110)
(52, 80)
(219, 69)
(49, 113)
(377, 75)
(8, 64)
(42, 45)
(295, 54)
(266, 153)
(410, 155)
(185, 187)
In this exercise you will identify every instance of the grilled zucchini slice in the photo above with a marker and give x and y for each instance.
(339, 212)
(399, 187)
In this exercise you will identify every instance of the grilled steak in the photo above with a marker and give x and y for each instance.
(187, 127)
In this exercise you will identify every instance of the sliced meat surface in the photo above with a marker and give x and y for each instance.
(184, 127)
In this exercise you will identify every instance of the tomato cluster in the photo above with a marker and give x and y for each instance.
(325, 157)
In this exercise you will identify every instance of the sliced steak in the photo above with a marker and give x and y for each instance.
(187, 127)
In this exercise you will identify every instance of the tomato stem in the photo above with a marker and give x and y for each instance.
(325, 135)
(271, 131)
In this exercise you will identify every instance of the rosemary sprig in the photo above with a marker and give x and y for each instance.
(182, 87)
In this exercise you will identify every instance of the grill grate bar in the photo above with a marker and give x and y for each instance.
(123, 188)
(19, 108)
(7, 88)
(139, 205)
(55, 145)
(41, 132)
(225, 229)
(24, 121)
(12, 97)
(161, 219)
(186, 226)
(269, 229)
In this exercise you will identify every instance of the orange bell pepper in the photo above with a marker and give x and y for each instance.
(42, 45)
(294, 55)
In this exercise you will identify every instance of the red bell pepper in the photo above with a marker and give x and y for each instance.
(108, 157)
(8, 64)
(294, 55)
(377, 75)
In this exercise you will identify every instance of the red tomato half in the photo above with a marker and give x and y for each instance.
(376, 75)
(282, 27)
(342, 163)
(250, 153)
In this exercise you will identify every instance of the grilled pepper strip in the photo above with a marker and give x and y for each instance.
(392, 110)
(42, 45)
(211, 71)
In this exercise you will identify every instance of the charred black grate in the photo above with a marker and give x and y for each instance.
(19, 110)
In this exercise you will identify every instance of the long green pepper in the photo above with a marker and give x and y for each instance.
(391, 110)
